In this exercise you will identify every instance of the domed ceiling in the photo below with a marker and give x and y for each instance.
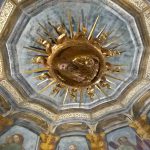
(105, 45)
(124, 36)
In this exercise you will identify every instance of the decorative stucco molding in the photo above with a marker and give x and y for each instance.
(148, 69)
(76, 115)
(106, 110)
(18, 98)
(1, 68)
(134, 91)
(37, 107)
(55, 117)
(6, 11)
(139, 4)
(147, 19)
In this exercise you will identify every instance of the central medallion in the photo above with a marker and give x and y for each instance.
(74, 60)
(76, 63)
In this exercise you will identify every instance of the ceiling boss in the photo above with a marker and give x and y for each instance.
(75, 61)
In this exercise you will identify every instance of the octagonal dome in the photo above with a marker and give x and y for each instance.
(28, 109)
(120, 23)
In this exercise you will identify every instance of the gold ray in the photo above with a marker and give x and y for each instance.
(81, 95)
(91, 92)
(75, 93)
(114, 77)
(40, 36)
(93, 28)
(76, 96)
(101, 91)
(116, 46)
(122, 52)
(85, 21)
(119, 72)
(44, 28)
(112, 41)
(37, 42)
(70, 24)
(43, 38)
(58, 87)
(82, 13)
(120, 65)
(35, 50)
(53, 27)
(101, 31)
(47, 32)
(42, 82)
(36, 76)
(63, 24)
(79, 24)
(109, 33)
(36, 70)
(46, 87)
(65, 97)
(110, 82)
(120, 45)
(96, 93)
(57, 91)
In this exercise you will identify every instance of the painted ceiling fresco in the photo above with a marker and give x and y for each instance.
(120, 23)
(115, 117)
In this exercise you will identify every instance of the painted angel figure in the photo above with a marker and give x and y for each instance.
(125, 144)
(14, 142)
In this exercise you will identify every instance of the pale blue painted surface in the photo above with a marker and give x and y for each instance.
(1, 1)
(79, 141)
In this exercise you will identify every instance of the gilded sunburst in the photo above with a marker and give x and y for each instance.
(75, 61)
